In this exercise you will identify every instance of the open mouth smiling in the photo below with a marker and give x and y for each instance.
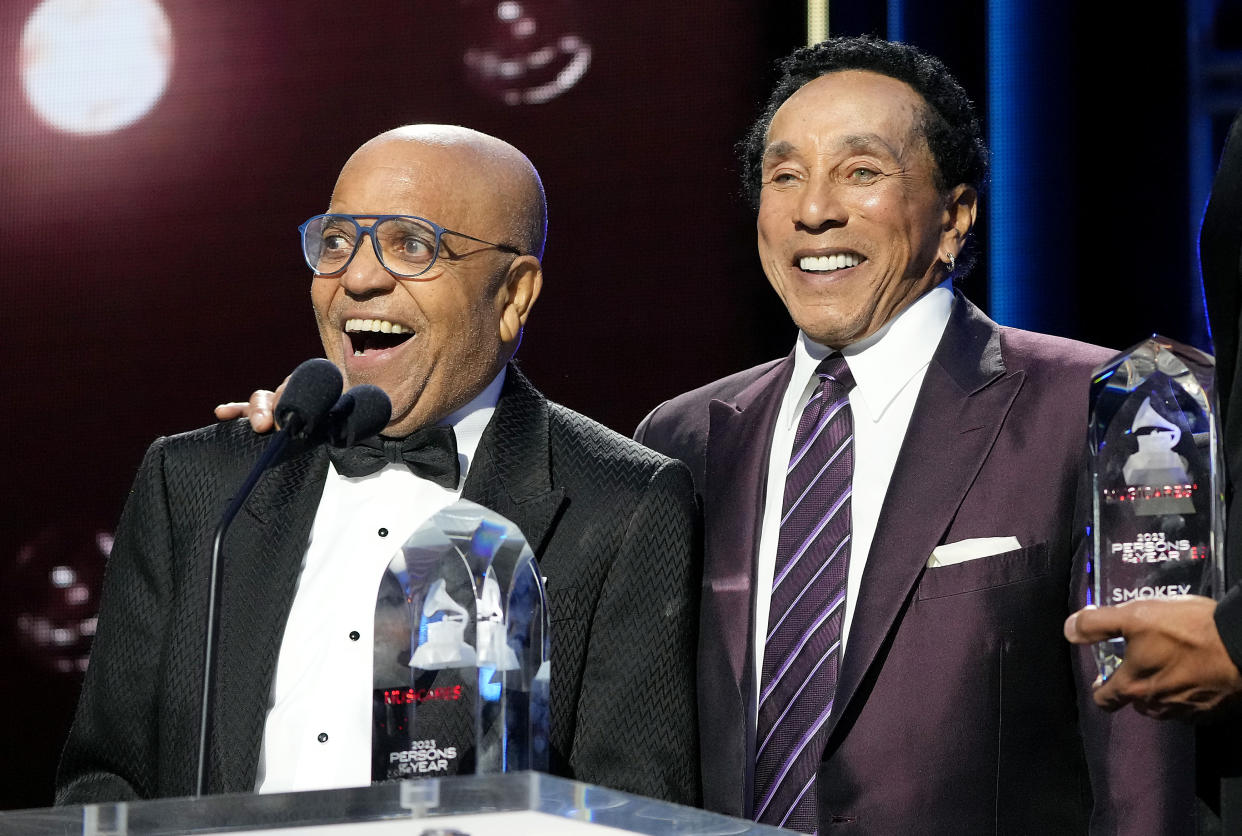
(828, 264)
(364, 336)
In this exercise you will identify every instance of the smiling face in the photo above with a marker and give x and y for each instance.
(434, 343)
(852, 228)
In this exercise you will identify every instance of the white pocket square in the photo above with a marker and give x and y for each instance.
(972, 549)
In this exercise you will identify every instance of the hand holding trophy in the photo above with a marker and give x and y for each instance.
(1156, 526)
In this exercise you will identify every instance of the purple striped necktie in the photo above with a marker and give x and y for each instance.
(803, 648)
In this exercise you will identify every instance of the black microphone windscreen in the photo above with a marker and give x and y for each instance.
(360, 413)
(313, 388)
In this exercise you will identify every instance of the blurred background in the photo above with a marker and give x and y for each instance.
(156, 159)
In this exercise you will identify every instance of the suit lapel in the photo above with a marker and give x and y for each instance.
(965, 397)
(512, 473)
(263, 556)
(738, 442)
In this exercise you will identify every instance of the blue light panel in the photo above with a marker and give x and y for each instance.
(1013, 287)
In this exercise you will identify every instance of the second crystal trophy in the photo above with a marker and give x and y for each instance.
(461, 671)
(1157, 498)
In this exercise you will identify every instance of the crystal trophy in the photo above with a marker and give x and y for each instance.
(461, 670)
(1157, 500)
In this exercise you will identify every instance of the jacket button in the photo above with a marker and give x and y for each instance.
(323, 737)
(383, 532)
(354, 635)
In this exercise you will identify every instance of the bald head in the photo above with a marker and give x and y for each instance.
(471, 169)
(432, 341)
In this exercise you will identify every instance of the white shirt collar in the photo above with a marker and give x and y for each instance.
(471, 420)
(883, 363)
(468, 424)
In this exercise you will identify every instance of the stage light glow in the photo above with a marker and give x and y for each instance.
(525, 53)
(95, 66)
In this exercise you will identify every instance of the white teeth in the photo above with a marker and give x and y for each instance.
(379, 326)
(828, 263)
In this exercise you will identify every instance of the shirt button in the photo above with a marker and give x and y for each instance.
(323, 737)
(383, 532)
(354, 635)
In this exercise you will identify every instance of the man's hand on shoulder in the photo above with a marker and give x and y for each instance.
(1175, 663)
(258, 410)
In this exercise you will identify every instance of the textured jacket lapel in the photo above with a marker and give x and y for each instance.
(965, 398)
(512, 473)
(262, 560)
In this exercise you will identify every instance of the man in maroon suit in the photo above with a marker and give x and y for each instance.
(890, 510)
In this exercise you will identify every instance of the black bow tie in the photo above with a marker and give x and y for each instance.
(430, 453)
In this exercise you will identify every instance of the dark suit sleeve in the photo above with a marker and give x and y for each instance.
(1141, 770)
(637, 723)
(1229, 624)
(112, 750)
(1220, 248)
(1220, 251)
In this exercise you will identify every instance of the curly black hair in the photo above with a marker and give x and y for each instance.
(949, 122)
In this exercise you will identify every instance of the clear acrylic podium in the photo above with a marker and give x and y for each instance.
(472, 805)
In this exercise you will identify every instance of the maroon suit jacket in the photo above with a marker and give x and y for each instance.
(962, 707)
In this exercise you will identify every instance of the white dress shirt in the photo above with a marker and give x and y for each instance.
(318, 729)
(888, 369)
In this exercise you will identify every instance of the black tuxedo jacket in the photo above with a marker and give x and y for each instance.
(960, 707)
(612, 524)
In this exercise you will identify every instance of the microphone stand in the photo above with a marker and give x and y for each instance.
(274, 449)
(309, 395)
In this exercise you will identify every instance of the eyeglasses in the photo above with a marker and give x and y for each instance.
(405, 245)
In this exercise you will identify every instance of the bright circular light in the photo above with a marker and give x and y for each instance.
(95, 66)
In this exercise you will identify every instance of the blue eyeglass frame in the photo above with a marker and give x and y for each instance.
(369, 230)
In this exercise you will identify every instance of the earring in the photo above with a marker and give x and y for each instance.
(952, 262)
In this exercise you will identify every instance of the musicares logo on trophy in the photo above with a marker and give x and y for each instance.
(406, 696)
(423, 756)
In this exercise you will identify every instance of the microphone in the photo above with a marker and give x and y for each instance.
(360, 413)
(303, 415)
(309, 399)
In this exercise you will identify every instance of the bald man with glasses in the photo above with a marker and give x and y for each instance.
(431, 311)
